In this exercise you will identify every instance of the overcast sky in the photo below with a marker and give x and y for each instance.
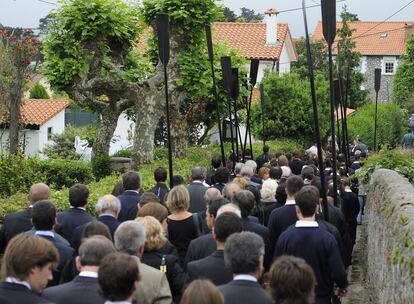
(26, 13)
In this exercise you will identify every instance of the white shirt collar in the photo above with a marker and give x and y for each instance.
(88, 274)
(117, 302)
(348, 190)
(81, 208)
(45, 233)
(17, 281)
(130, 191)
(290, 202)
(245, 277)
(302, 224)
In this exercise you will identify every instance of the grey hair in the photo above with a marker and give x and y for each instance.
(237, 167)
(198, 173)
(251, 163)
(246, 171)
(230, 207)
(230, 189)
(211, 193)
(108, 202)
(242, 252)
(129, 237)
(94, 249)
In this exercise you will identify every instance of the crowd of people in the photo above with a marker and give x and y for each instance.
(252, 232)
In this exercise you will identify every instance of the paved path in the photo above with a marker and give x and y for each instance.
(356, 291)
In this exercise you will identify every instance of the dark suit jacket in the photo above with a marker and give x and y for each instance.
(211, 268)
(69, 220)
(82, 290)
(11, 293)
(196, 191)
(13, 224)
(160, 190)
(200, 247)
(243, 291)
(65, 254)
(129, 205)
(252, 226)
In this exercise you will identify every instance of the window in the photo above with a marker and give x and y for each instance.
(49, 133)
(389, 65)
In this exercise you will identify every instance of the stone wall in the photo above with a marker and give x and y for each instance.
(389, 234)
(385, 92)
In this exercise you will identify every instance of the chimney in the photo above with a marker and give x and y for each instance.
(271, 26)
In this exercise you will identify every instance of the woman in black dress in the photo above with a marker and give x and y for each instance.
(182, 226)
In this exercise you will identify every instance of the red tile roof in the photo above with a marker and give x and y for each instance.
(250, 38)
(39, 111)
(376, 38)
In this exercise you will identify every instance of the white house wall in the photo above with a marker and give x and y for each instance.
(284, 63)
(58, 126)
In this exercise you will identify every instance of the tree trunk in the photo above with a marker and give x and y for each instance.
(147, 118)
(15, 113)
(179, 135)
(105, 132)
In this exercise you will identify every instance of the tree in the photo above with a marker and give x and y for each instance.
(229, 15)
(38, 91)
(249, 15)
(390, 127)
(356, 96)
(319, 57)
(20, 46)
(403, 83)
(288, 107)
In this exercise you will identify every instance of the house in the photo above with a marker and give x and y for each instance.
(40, 119)
(268, 41)
(381, 45)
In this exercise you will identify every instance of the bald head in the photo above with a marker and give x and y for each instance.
(211, 193)
(233, 208)
(230, 189)
(38, 192)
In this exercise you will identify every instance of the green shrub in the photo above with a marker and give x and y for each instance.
(65, 173)
(388, 159)
(101, 166)
(123, 153)
(63, 145)
(391, 124)
(38, 91)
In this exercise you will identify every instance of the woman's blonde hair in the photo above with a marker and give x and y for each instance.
(155, 236)
(178, 199)
(241, 181)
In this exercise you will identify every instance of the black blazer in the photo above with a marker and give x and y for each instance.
(243, 291)
(196, 191)
(13, 224)
(82, 290)
(211, 268)
(129, 205)
(11, 293)
(70, 219)
(65, 254)
(160, 190)
(250, 225)
(199, 248)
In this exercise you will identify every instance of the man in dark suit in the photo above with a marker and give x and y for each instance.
(213, 267)
(243, 255)
(130, 197)
(215, 163)
(29, 260)
(160, 189)
(107, 207)
(18, 222)
(263, 158)
(205, 245)
(246, 200)
(43, 219)
(283, 217)
(196, 189)
(321, 251)
(76, 215)
(83, 288)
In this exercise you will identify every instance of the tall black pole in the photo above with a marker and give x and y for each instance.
(254, 68)
(263, 114)
(337, 107)
(348, 79)
(377, 88)
(345, 149)
(235, 90)
(163, 33)
(227, 82)
(315, 115)
(216, 99)
(329, 32)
